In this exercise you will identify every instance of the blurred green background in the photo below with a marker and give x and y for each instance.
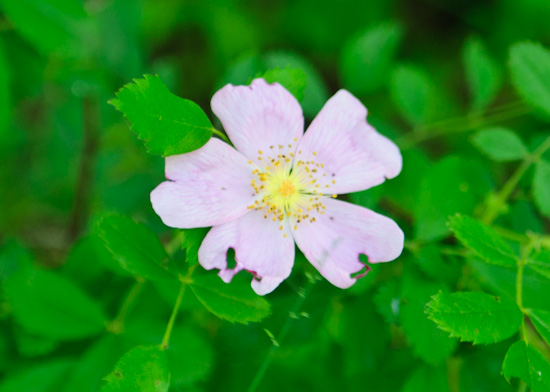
(66, 157)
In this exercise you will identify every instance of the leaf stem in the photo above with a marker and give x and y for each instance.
(460, 124)
(222, 135)
(495, 208)
(116, 326)
(170, 326)
(302, 294)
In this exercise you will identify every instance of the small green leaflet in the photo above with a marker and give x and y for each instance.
(143, 369)
(540, 263)
(541, 321)
(483, 74)
(526, 363)
(134, 247)
(500, 144)
(475, 317)
(168, 124)
(530, 70)
(414, 94)
(541, 187)
(366, 58)
(293, 79)
(48, 305)
(192, 240)
(482, 240)
(234, 302)
(427, 379)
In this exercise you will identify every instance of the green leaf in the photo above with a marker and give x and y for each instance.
(190, 357)
(143, 369)
(452, 185)
(44, 377)
(367, 57)
(427, 378)
(316, 92)
(475, 317)
(428, 342)
(388, 302)
(60, 23)
(540, 263)
(429, 259)
(95, 363)
(483, 74)
(541, 187)
(5, 95)
(482, 240)
(135, 248)
(541, 321)
(33, 346)
(414, 94)
(500, 144)
(192, 240)
(530, 70)
(168, 124)
(526, 363)
(48, 305)
(234, 302)
(293, 79)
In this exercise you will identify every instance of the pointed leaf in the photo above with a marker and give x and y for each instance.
(168, 124)
(234, 302)
(500, 144)
(143, 369)
(530, 70)
(482, 240)
(541, 321)
(135, 248)
(527, 364)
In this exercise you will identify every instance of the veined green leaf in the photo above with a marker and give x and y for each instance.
(168, 124)
(483, 240)
(541, 321)
(526, 363)
(475, 317)
(530, 69)
(234, 302)
(500, 144)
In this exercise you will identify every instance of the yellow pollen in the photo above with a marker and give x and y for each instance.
(287, 188)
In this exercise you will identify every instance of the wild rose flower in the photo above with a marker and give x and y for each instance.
(278, 186)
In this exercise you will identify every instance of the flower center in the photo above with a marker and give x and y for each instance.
(287, 186)
(286, 189)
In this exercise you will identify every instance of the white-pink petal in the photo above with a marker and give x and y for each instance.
(258, 117)
(354, 155)
(334, 241)
(260, 248)
(209, 186)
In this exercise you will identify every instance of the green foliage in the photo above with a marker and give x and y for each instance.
(235, 302)
(541, 321)
(414, 94)
(60, 23)
(135, 248)
(483, 74)
(452, 185)
(293, 79)
(482, 240)
(143, 368)
(192, 240)
(168, 124)
(50, 306)
(500, 144)
(541, 187)
(427, 378)
(43, 377)
(530, 69)
(526, 363)
(475, 317)
(367, 57)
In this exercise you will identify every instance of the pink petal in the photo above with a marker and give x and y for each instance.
(210, 186)
(258, 117)
(355, 157)
(260, 248)
(334, 241)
